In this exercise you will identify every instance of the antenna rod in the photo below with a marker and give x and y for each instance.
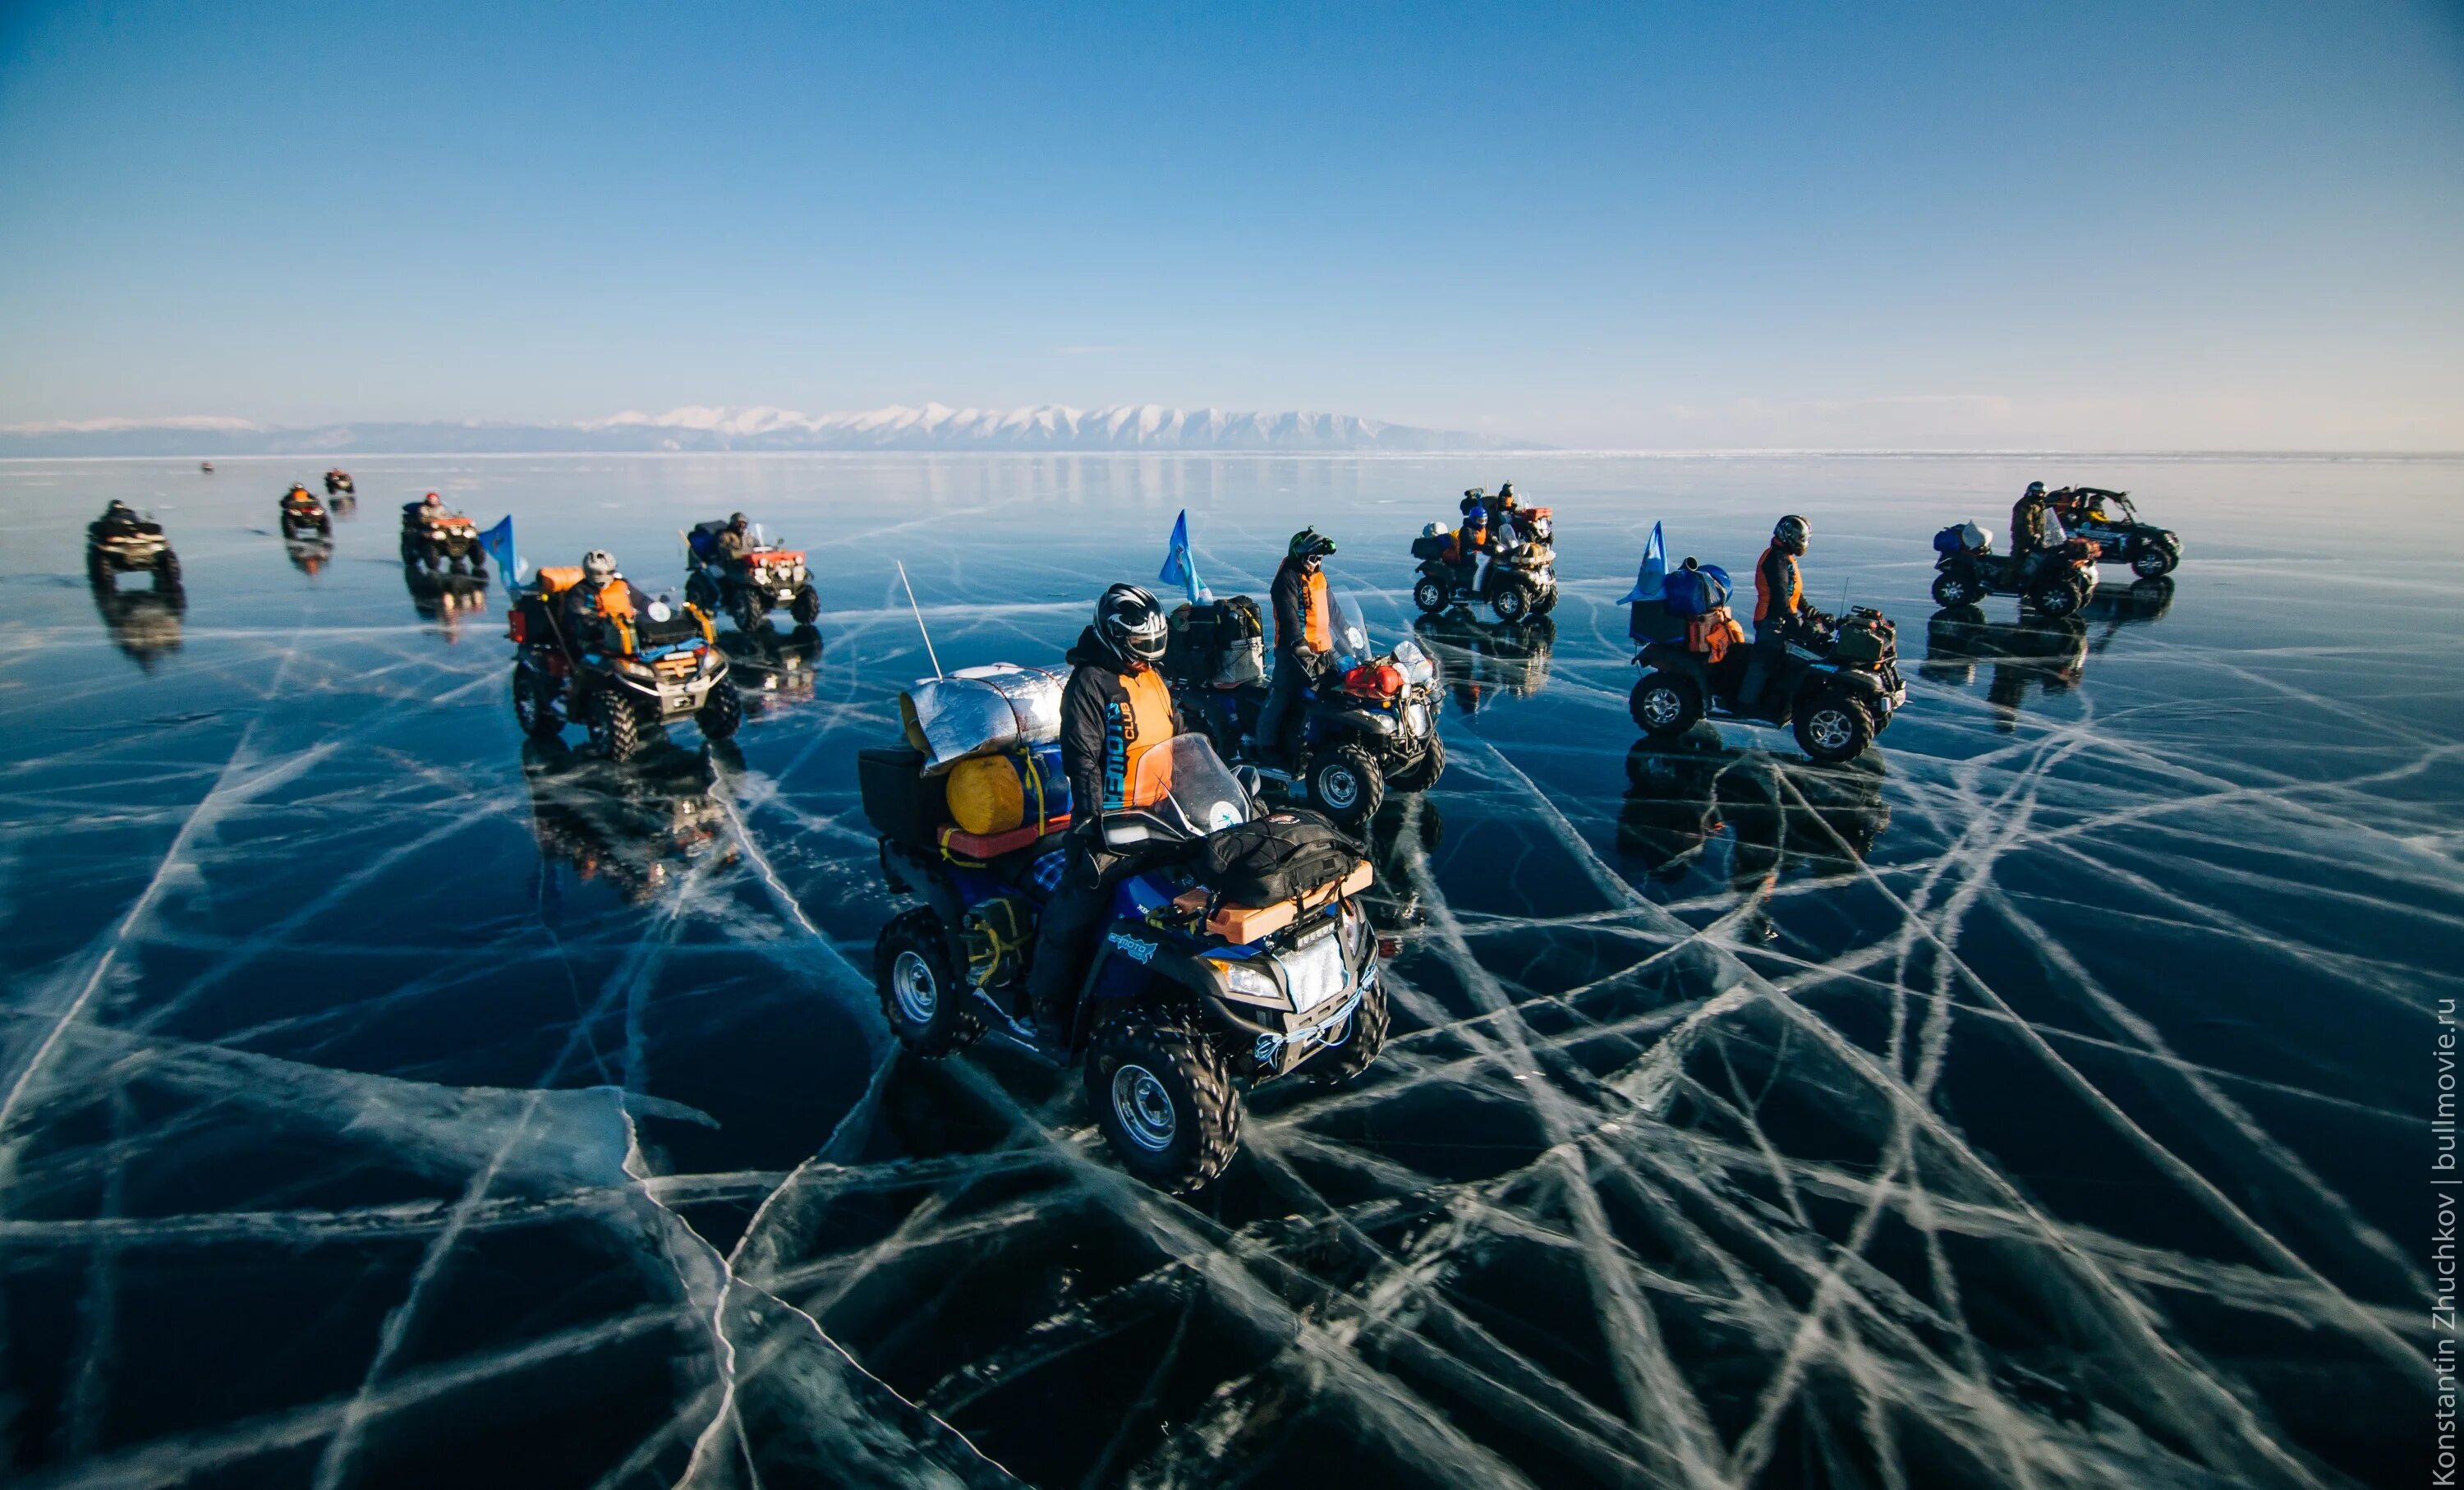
(919, 617)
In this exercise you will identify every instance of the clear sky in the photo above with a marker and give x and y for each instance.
(2130, 225)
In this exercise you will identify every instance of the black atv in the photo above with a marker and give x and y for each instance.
(2110, 520)
(746, 590)
(440, 540)
(627, 675)
(1836, 685)
(115, 546)
(303, 516)
(1366, 725)
(1189, 999)
(1520, 581)
(2056, 581)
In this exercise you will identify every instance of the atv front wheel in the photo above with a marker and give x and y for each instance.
(166, 571)
(2154, 560)
(614, 727)
(806, 607)
(2058, 598)
(701, 594)
(1423, 773)
(1951, 591)
(1430, 594)
(922, 1000)
(1546, 603)
(1512, 602)
(721, 712)
(1345, 784)
(1364, 1035)
(1831, 728)
(1164, 1099)
(1664, 704)
(535, 705)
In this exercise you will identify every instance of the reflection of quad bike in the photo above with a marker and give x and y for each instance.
(310, 555)
(766, 578)
(632, 823)
(1483, 662)
(2055, 581)
(2037, 651)
(764, 664)
(2138, 604)
(1683, 794)
(1367, 724)
(1519, 580)
(2109, 521)
(337, 483)
(1189, 1001)
(145, 625)
(1835, 683)
(129, 545)
(303, 516)
(1400, 841)
(440, 540)
(639, 669)
(445, 597)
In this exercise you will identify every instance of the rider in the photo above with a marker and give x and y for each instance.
(298, 496)
(736, 541)
(1304, 635)
(1779, 602)
(602, 594)
(1471, 545)
(118, 516)
(431, 506)
(1115, 709)
(2027, 529)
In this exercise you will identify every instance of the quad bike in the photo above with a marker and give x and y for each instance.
(631, 824)
(1685, 794)
(2037, 652)
(1188, 1001)
(2109, 521)
(440, 540)
(2055, 581)
(1836, 684)
(303, 516)
(1366, 725)
(1520, 581)
(1484, 662)
(637, 669)
(747, 590)
(337, 483)
(145, 625)
(129, 545)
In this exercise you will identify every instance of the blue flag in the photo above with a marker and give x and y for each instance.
(1179, 568)
(497, 543)
(1655, 569)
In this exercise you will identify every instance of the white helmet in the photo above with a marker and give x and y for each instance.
(1435, 530)
(599, 566)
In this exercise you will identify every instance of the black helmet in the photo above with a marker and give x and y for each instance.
(1792, 533)
(736, 519)
(2035, 488)
(118, 506)
(1129, 623)
(1506, 492)
(1310, 543)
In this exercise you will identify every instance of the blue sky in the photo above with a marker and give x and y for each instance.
(2088, 224)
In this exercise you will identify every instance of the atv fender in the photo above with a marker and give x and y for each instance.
(909, 872)
(1358, 722)
(1669, 657)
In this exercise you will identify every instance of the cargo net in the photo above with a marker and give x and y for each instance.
(1722, 1140)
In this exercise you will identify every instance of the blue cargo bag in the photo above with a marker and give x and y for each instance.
(1696, 592)
(1949, 540)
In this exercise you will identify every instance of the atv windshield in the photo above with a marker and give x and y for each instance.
(1187, 790)
(1352, 645)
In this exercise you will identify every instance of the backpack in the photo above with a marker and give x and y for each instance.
(1696, 591)
(1280, 856)
(1712, 634)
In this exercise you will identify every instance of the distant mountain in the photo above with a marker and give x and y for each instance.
(1041, 426)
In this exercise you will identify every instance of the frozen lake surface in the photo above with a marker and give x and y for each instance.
(2040, 1101)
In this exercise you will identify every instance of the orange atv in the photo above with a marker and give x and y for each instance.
(439, 539)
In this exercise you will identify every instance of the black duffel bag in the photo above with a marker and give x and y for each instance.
(1280, 856)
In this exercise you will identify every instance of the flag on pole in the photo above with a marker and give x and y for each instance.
(1655, 569)
(1179, 568)
(497, 543)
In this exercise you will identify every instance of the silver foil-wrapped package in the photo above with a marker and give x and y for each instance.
(978, 710)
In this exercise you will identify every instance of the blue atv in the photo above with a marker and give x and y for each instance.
(1189, 1001)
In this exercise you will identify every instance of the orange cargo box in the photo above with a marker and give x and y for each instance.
(1241, 924)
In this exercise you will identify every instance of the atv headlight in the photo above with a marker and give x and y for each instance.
(1252, 984)
(634, 668)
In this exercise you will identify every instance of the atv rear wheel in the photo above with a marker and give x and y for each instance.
(721, 712)
(922, 999)
(1363, 1035)
(535, 705)
(1831, 727)
(1511, 603)
(806, 607)
(1423, 773)
(614, 727)
(1430, 594)
(2155, 559)
(1664, 704)
(1164, 1099)
(1347, 785)
(1951, 591)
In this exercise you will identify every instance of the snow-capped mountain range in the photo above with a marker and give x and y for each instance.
(935, 427)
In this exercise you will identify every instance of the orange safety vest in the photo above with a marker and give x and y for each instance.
(1144, 723)
(1317, 627)
(1763, 598)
